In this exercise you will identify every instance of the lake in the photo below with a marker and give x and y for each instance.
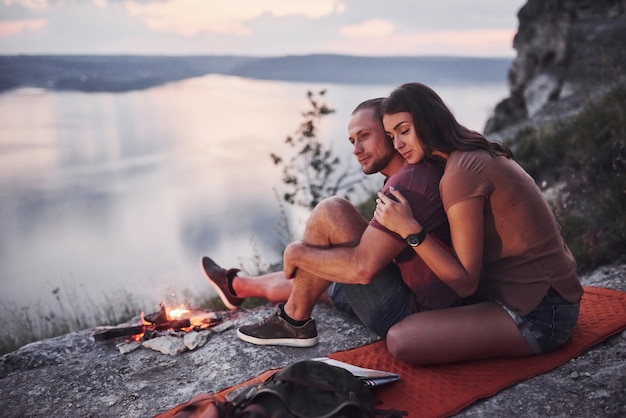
(102, 193)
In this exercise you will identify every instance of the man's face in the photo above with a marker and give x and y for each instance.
(371, 147)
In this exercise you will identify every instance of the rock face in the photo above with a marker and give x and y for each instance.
(75, 376)
(568, 51)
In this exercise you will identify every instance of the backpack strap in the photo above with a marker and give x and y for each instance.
(390, 413)
(308, 383)
(254, 411)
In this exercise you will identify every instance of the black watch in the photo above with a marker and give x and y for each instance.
(416, 239)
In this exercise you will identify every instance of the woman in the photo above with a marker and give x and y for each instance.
(507, 246)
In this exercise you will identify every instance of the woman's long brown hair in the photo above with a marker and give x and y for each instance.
(436, 127)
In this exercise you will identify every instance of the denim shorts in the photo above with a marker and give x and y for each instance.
(380, 304)
(549, 325)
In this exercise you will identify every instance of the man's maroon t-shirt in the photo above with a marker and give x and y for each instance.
(419, 184)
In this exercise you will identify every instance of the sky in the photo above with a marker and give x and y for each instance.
(260, 27)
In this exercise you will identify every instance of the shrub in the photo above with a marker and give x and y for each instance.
(587, 156)
(313, 172)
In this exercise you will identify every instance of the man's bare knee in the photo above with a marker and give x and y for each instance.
(334, 221)
(333, 205)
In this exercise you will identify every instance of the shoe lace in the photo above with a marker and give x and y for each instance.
(268, 320)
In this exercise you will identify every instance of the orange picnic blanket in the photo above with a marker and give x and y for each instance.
(437, 391)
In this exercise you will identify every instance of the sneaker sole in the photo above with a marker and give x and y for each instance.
(287, 342)
(217, 289)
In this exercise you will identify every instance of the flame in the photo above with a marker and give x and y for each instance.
(178, 313)
(143, 320)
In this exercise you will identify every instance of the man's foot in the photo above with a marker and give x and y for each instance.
(275, 330)
(222, 281)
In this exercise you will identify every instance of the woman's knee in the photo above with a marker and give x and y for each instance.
(398, 343)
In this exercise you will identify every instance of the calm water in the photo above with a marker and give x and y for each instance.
(101, 192)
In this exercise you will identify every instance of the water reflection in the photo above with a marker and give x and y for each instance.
(107, 191)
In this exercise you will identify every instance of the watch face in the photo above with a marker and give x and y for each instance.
(413, 240)
(416, 239)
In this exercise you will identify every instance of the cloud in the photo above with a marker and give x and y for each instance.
(15, 27)
(253, 27)
(28, 4)
(487, 42)
(191, 17)
(436, 15)
(370, 29)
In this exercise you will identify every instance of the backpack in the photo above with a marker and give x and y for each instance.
(304, 389)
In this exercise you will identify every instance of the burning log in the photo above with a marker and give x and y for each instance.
(156, 323)
(157, 317)
(131, 331)
(118, 332)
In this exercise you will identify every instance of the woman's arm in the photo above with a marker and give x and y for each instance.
(460, 270)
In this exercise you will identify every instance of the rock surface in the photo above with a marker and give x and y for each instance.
(74, 376)
(568, 53)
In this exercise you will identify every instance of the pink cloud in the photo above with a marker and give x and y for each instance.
(486, 42)
(15, 27)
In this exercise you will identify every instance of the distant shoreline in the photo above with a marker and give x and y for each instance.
(121, 73)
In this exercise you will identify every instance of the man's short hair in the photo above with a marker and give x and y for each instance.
(374, 104)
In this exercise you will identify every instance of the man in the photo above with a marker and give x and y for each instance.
(362, 268)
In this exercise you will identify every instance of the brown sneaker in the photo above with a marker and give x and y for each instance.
(274, 330)
(221, 280)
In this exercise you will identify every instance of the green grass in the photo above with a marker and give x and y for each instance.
(587, 157)
(73, 312)
(70, 312)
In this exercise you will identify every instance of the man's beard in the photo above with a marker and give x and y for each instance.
(378, 165)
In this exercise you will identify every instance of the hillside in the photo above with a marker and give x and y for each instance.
(125, 73)
(565, 119)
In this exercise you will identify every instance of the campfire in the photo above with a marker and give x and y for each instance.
(169, 330)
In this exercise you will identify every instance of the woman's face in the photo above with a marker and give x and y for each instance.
(399, 127)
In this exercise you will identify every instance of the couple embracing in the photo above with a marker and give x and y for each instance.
(463, 258)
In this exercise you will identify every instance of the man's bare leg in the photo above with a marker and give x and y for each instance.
(272, 286)
(334, 222)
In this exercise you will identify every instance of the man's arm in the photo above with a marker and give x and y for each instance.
(354, 265)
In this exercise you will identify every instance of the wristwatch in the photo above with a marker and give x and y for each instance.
(416, 239)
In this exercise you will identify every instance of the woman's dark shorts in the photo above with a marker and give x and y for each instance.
(549, 325)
